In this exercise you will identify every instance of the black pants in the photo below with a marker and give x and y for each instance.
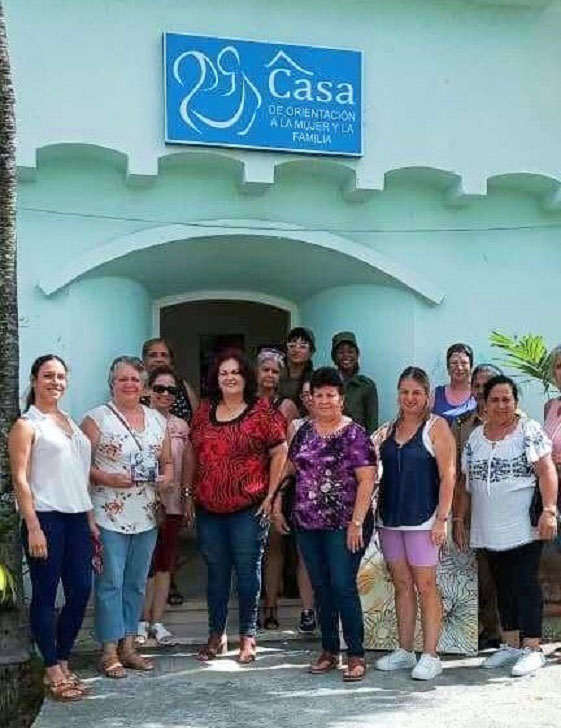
(519, 594)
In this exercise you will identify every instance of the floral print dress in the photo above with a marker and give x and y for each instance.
(126, 510)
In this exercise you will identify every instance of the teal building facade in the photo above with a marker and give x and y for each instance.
(445, 226)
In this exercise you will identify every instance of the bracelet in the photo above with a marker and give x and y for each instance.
(442, 519)
(550, 509)
(457, 519)
(187, 492)
(356, 523)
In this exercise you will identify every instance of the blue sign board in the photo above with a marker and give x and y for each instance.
(240, 93)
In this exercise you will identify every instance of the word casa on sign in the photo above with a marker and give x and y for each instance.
(290, 81)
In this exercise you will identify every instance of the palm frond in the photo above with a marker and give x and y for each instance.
(527, 354)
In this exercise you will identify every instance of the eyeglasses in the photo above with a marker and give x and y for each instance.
(162, 389)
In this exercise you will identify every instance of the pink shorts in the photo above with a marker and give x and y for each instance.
(413, 547)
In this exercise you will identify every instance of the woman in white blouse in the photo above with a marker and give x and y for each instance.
(50, 461)
(504, 461)
(131, 447)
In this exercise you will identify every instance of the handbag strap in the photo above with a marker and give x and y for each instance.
(126, 425)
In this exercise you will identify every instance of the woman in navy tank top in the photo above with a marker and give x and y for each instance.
(455, 399)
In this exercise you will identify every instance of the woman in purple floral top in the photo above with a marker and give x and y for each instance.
(334, 464)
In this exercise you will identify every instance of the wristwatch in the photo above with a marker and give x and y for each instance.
(358, 524)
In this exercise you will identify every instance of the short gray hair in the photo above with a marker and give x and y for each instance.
(131, 361)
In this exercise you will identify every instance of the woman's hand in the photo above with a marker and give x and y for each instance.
(460, 534)
(188, 510)
(547, 526)
(121, 480)
(355, 540)
(265, 508)
(438, 533)
(37, 544)
(279, 522)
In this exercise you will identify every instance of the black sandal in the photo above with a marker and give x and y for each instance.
(271, 620)
(175, 597)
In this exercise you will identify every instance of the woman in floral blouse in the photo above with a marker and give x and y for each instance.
(334, 464)
(131, 460)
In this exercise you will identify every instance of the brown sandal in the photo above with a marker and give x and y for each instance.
(326, 662)
(112, 667)
(355, 670)
(72, 679)
(247, 651)
(63, 691)
(135, 661)
(216, 645)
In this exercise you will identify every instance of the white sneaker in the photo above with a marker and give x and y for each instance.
(399, 659)
(142, 633)
(529, 661)
(427, 668)
(503, 656)
(163, 636)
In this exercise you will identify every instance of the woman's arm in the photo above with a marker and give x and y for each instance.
(20, 442)
(462, 507)
(97, 476)
(276, 464)
(365, 475)
(289, 410)
(445, 454)
(191, 395)
(547, 479)
(165, 479)
(187, 478)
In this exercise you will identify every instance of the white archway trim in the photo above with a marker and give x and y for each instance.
(231, 228)
(219, 295)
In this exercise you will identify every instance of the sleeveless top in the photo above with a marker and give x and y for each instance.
(410, 483)
(126, 510)
(552, 427)
(449, 411)
(59, 467)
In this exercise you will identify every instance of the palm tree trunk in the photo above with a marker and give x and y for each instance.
(15, 673)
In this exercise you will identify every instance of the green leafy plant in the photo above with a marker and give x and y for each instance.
(8, 589)
(528, 355)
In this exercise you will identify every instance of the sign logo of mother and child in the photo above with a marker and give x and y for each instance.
(251, 94)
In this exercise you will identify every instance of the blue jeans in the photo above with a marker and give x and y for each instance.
(333, 570)
(119, 589)
(69, 559)
(232, 541)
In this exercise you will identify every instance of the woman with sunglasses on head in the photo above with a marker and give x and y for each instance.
(162, 385)
(50, 462)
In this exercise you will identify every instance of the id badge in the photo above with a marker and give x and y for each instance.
(144, 467)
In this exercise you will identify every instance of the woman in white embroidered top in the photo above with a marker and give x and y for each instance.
(50, 461)
(504, 462)
(131, 462)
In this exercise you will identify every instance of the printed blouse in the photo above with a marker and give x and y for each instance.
(232, 458)
(501, 481)
(326, 482)
(126, 510)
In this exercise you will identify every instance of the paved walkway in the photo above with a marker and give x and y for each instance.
(277, 691)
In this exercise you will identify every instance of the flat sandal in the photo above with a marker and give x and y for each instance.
(326, 662)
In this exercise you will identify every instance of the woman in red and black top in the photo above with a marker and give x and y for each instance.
(240, 449)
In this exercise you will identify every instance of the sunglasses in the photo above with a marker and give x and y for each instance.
(162, 389)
